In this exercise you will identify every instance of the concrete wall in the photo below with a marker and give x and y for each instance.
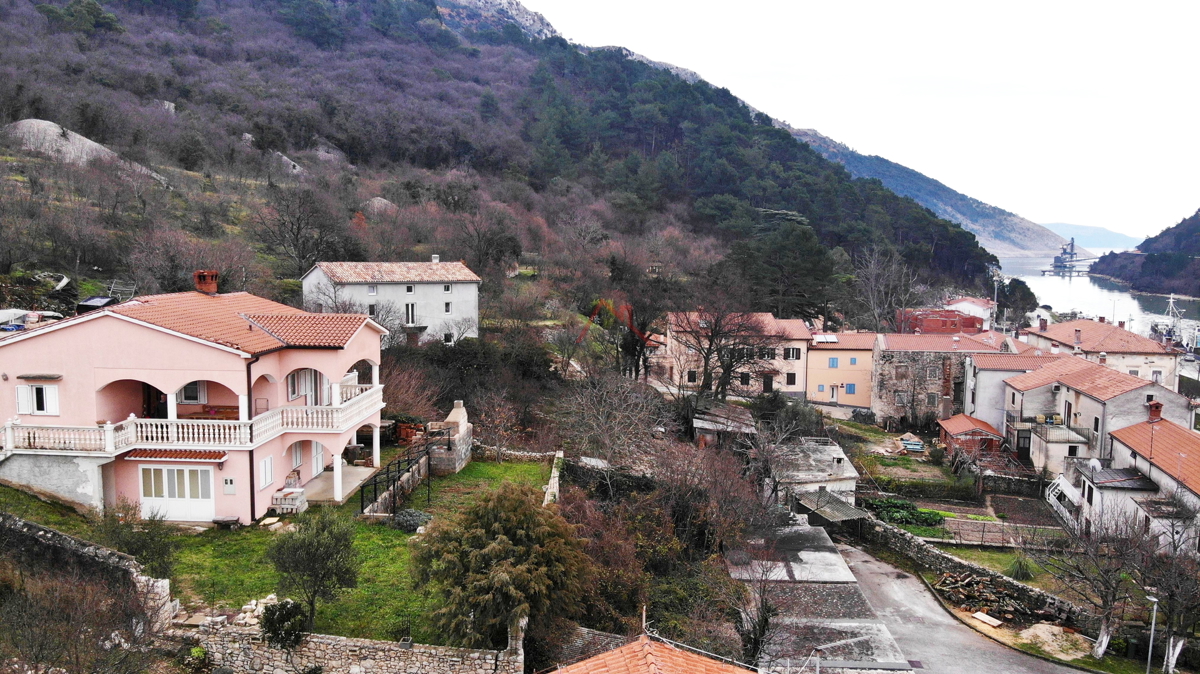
(70, 477)
(244, 650)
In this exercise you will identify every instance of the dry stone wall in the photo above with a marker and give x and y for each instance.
(244, 650)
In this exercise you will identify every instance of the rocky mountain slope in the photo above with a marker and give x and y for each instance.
(1004, 234)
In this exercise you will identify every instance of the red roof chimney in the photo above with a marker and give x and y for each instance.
(1043, 324)
(206, 281)
(1155, 411)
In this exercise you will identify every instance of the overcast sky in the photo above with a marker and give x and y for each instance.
(1085, 113)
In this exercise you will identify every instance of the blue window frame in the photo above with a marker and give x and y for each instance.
(850, 388)
(833, 363)
(820, 387)
(854, 361)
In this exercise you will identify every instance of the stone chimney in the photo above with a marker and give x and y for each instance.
(437, 258)
(206, 281)
(1121, 324)
(1043, 324)
(1155, 411)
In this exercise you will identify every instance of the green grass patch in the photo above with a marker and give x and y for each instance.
(47, 513)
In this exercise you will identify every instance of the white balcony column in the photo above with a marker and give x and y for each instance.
(243, 407)
(375, 374)
(173, 405)
(337, 475)
(375, 446)
(335, 393)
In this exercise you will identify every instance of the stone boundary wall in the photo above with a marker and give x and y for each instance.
(552, 486)
(1013, 486)
(928, 556)
(244, 650)
(37, 548)
(482, 452)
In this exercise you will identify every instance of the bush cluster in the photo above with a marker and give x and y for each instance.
(899, 511)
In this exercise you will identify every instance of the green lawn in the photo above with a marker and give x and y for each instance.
(228, 568)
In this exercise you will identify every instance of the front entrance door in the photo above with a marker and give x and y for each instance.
(182, 494)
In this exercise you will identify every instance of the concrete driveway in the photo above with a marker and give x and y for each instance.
(926, 633)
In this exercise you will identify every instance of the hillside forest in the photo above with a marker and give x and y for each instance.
(1168, 262)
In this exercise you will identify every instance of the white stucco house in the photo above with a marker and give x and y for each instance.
(424, 301)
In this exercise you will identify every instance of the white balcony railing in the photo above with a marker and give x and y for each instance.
(357, 402)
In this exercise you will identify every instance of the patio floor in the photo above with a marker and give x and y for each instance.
(319, 490)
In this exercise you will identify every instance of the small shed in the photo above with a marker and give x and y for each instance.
(963, 432)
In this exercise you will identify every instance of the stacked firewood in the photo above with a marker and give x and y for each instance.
(973, 593)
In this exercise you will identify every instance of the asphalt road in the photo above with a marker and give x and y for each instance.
(926, 633)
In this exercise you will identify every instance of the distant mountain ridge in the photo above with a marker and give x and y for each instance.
(1092, 237)
(1004, 234)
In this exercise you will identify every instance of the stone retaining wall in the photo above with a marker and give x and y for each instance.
(36, 548)
(928, 556)
(244, 650)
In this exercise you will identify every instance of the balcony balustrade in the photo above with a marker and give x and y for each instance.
(357, 402)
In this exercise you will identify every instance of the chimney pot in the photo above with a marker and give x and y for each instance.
(206, 281)
(1043, 324)
(437, 258)
(1155, 411)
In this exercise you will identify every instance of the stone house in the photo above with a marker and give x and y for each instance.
(918, 379)
(424, 301)
(1111, 346)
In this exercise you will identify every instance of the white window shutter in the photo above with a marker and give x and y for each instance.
(51, 400)
(24, 399)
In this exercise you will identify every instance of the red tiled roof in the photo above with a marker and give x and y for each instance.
(398, 272)
(224, 319)
(1172, 448)
(986, 304)
(1082, 375)
(311, 330)
(786, 328)
(646, 656)
(984, 341)
(1013, 362)
(1096, 337)
(961, 423)
(853, 341)
(177, 454)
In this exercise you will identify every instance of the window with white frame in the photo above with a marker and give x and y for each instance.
(38, 399)
(193, 393)
(372, 290)
(447, 307)
(447, 288)
(267, 465)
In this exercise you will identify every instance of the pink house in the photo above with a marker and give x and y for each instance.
(199, 405)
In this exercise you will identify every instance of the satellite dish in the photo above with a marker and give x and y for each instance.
(1094, 464)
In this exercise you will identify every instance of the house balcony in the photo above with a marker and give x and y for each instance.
(356, 404)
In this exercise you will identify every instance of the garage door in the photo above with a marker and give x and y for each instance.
(183, 494)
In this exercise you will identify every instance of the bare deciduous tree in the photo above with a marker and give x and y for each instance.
(884, 283)
(1095, 565)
